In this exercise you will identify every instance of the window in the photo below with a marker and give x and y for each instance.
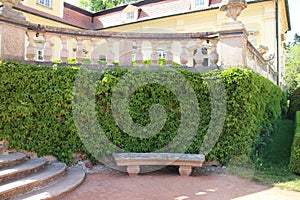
(199, 3)
(46, 3)
(130, 15)
(40, 55)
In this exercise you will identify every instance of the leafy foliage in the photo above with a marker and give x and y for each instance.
(71, 60)
(293, 65)
(253, 105)
(294, 103)
(272, 165)
(97, 5)
(295, 153)
(36, 110)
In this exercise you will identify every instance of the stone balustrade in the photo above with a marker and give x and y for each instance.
(258, 64)
(196, 51)
(60, 44)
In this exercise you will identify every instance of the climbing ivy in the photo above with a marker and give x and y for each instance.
(36, 111)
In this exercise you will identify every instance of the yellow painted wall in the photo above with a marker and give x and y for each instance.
(56, 7)
(258, 16)
(43, 21)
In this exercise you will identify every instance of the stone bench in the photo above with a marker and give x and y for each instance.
(134, 160)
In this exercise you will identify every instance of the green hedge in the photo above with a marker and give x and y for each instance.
(36, 111)
(294, 103)
(295, 151)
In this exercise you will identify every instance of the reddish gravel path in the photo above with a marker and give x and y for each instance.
(168, 185)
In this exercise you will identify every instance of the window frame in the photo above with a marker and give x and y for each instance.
(44, 3)
(199, 3)
(130, 15)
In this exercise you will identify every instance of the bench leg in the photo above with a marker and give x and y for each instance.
(185, 170)
(133, 170)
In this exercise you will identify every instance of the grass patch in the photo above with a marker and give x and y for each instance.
(271, 167)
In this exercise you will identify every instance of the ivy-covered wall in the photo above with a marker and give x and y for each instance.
(36, 111)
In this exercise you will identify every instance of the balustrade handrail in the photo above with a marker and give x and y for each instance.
(255, 52)
(111, 34)
(271, 74)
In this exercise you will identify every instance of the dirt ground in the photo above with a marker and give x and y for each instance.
(168, 185)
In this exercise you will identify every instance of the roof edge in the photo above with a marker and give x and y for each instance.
(49, 18)
(78, 9)
(121, 7)
(287, 8)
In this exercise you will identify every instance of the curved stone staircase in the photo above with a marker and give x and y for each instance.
(35, 178)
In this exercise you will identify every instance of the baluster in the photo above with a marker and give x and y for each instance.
(30, 53)
(125, 52)
(48, 49)
(213, 56)
(255, 63)
(169, 54)
(94, 54)
(199, 58)
(139, 54)
(154, 55)
(183, 55)
(268, 69)
(110, 53)
(80, 53)
(64, 54)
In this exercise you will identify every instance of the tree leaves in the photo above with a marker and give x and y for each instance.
(97, 5)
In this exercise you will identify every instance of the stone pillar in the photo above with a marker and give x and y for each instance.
(110, 52)
(125, 53)
(233, 39)
(183, 55)
(80, 53)
(154, 55)
(12, 41)
(213, 56)
(199, 55)
(94, 54)
(64, 54)
(169, 54)
(139, 54)
(48, 48)
(233, 49)
(30, 51)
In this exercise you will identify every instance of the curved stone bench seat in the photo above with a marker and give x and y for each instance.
(133, 161)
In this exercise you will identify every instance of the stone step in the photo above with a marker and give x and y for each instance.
(30, 166)
(73, 178)
(12, 159)
(49, 174)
